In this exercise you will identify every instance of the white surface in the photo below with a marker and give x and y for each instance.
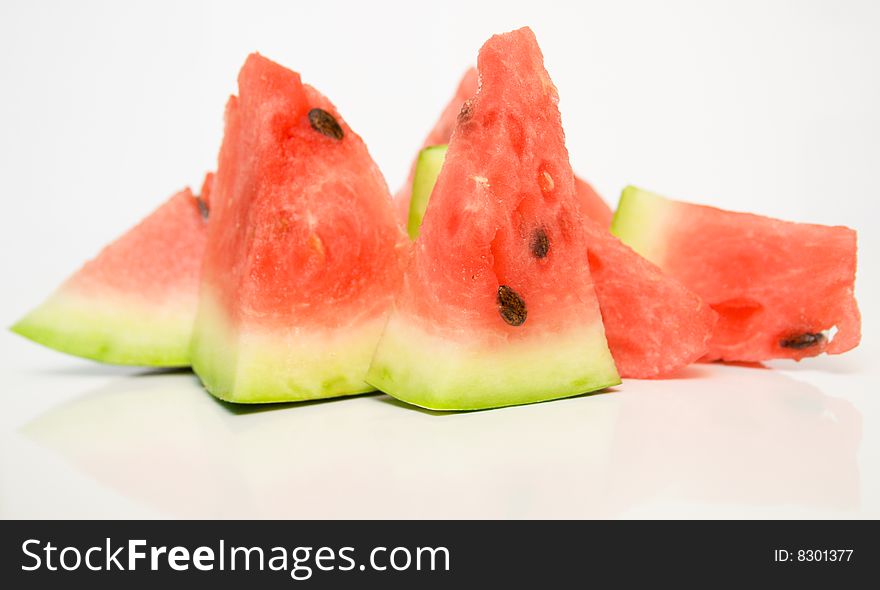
(766, 106)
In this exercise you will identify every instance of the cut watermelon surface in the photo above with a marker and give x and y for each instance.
(304, 253)
(654, 325)
(781, 289)
(593, 205)
(497, 305)
(135, 303)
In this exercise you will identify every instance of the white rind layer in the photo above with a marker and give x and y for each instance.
(640, 222)
(461, 373)
(261, 365)
(113, 330)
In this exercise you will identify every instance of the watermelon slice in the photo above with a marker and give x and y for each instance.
(497, 305)
(135, 303)
(654, 325)
(781, 289)
(593, 205)
(304, 253)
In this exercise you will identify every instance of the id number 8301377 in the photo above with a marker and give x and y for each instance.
(806, 555)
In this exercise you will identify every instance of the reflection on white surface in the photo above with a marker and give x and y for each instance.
(753, 437)
(744, 436)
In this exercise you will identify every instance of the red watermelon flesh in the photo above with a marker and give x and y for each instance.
(497, 305)
(303, 253)
(655, 326)
(594, 206)
(135, 303)
(781, 289)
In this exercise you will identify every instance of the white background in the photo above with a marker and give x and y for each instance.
(108, 108)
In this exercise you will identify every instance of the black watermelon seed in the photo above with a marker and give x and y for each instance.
(802, 341)
(203, 207)
(539, 244)
(511, 306)
(325, 123)
(466, 112)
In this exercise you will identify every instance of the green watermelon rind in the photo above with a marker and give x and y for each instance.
(430, 372)
(640, 221)
(428, 166)
(243, 367)
(118, 333)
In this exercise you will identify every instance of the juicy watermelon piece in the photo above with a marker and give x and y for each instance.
(593, 205)
(654, 325)
(135, 303)
(781, 289)
(497, 305)
(304, 251)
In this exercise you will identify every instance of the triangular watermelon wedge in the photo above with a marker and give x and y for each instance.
(593, 205)
(304, 253)
(497, 305)
(781, 289)
(135, 303)
(654, 324)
